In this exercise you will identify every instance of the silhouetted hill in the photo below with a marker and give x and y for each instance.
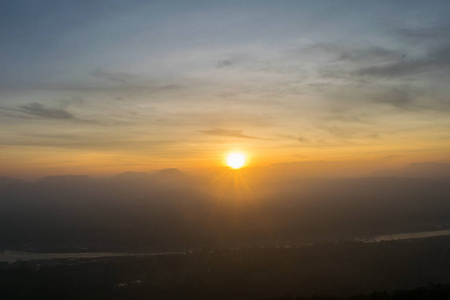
(169, 174)
(130, 177)
(165, 176)
(170, 177)
(426, 169)
(9, 181)
(65, 180)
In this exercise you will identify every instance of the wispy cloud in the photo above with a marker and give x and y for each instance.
(396, 97)
(229, 133)
(90, 141)
(38, 109)
(120, 77)
(333, 52)
(435, 55)
(302, 139)
(399, 68)
(224, 63)
(425, 34)
(390, 157)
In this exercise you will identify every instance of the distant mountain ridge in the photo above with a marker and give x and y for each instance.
(65, 179)
(169, 174)
(164, 174)
(130, 176)
(4, 181)
(425, 169)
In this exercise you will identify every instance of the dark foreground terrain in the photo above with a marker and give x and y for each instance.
(396, 269)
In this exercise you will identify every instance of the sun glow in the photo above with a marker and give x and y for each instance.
(235, 160)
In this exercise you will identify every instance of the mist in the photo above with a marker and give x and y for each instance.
(172, 210)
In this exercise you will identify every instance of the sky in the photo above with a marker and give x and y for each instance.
(100, 87)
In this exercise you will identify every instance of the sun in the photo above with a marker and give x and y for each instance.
(236, 160)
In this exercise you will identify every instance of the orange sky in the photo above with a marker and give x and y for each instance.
(308, 87)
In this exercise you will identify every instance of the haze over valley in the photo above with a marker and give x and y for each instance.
(197, 149)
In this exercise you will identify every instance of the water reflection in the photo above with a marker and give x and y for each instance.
(13, 256)
(407, 236)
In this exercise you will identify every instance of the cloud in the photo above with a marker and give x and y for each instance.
(229, 133)
(396, 97)
(338, 63)
(90, 141)
(302, 139)
(75, 101)
(423, 34)
(370, 53)
(224, 63)
(390, 157)
(306, 141)
(38, 109)
(339, 52)
(339, 115)
(144, 86)
(340, 132)
(407, 74)
(241, 59)
(114, 76)
(399, 68)
(415, 52)
(435, 58)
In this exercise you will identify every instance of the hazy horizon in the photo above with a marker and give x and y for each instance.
(285, 171)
